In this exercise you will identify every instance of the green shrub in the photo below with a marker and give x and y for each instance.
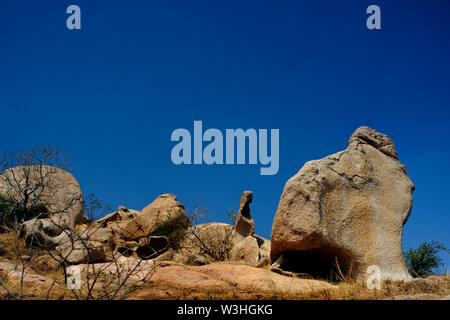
(424, 261)
(174, 231)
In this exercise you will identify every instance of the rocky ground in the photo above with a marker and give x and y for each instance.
(168, 280)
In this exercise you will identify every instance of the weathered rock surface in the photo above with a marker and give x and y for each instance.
(82, 252)
(246, 246)
(202, 241)
(224, 278)
(102, 235)
(245, 226)
(264, 248)
(246, 251)
(148, 248)
(61, 195)
(122, 214)
(35, 232)
(420, 296)
(135, 269)
(350, 206)
(14, 274)
(164, 209)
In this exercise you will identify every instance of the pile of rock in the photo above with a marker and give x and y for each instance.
(131, 233)
(344, 211)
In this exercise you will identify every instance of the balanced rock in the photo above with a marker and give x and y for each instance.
(347, 209)
(246, 246)
(245, 226)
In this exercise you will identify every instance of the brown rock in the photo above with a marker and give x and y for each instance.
(203, 242)
(164, 209)
(82, 252)
(350, 206)
(229, 277)
(45, 263)
(15, 273)
(148, 248)
(61, 196)
(35, 232)
(264, 247)
(102, 235)
(245, 226)
(419, 296)
(246, 251)
(122, 214)
(123, 267)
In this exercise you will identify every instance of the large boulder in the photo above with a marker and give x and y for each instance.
(347, 209)
(164, 209)
(55, 191)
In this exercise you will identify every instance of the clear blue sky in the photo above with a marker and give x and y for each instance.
(112, 93)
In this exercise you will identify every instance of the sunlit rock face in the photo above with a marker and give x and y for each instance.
(349, 209)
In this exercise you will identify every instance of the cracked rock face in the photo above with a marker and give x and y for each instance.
(349, 207)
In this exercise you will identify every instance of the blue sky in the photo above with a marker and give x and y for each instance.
(111, 93)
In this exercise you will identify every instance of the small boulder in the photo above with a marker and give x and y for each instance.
(246, 251)
(82, 252)
(121, 214)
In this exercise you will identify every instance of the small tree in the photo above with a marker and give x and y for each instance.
(424, 261)
(94, 208)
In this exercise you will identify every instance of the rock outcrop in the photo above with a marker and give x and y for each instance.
(131, 233)
(223, 280)
(248, 247)
(349, 208)
(245, 226)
